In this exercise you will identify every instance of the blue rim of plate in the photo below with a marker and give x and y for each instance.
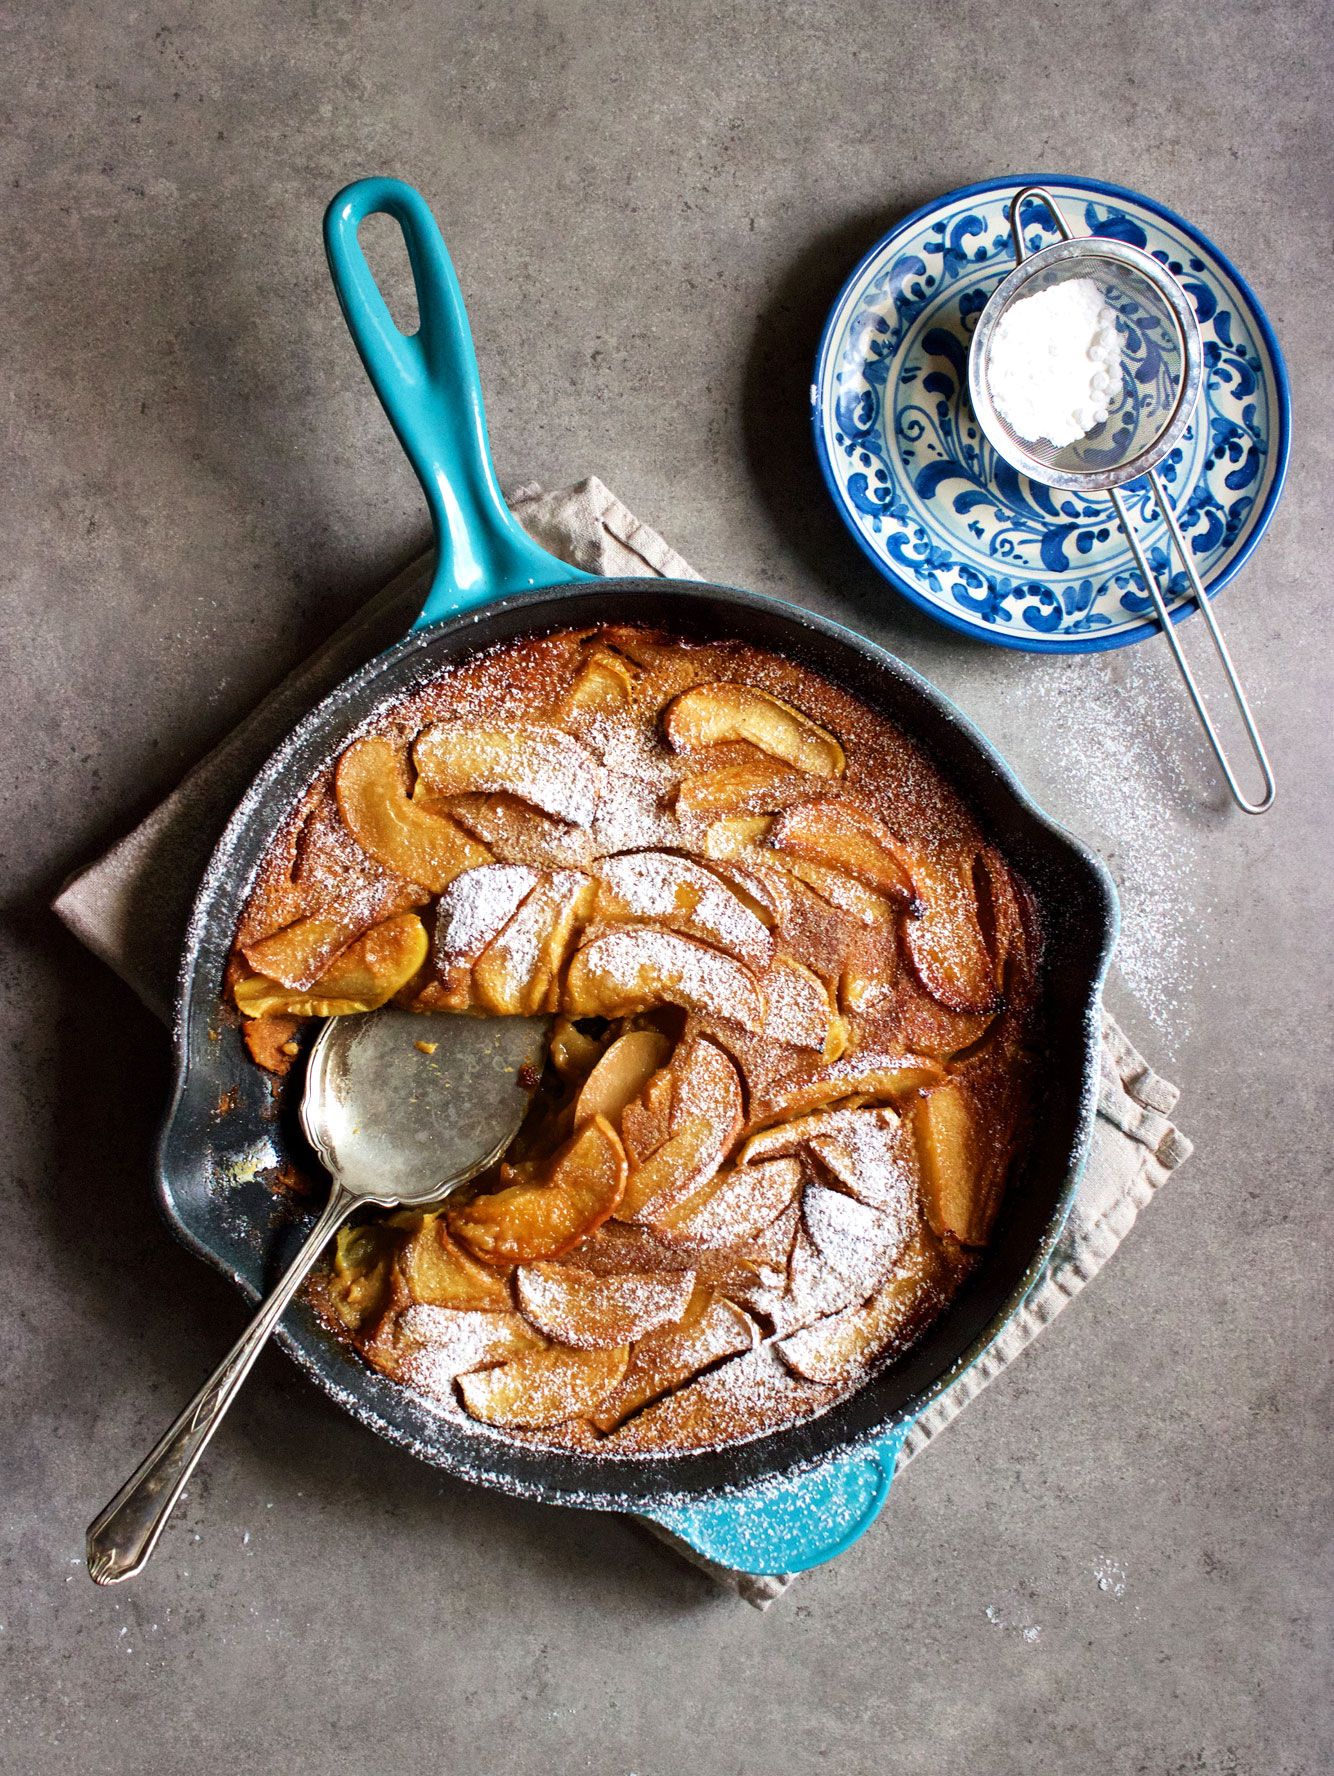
(1089, 639)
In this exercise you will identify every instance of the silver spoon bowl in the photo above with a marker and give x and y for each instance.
(402, 1109)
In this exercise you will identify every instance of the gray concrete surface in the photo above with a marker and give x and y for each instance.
(650, 207)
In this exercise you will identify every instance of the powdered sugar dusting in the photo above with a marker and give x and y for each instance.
(1130, 760)
(858, 1242)
(663, 885)
(478, 904)
(642, 965)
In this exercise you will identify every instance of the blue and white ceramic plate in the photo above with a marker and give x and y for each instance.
(978, 546)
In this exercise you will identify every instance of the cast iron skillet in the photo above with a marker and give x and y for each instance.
(493, 583)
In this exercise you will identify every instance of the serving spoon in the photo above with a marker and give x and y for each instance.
(402, 1109)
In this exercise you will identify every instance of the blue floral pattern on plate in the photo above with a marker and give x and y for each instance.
(961, 533)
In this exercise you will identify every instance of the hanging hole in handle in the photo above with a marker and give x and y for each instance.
(1040, 195)
(381, 240)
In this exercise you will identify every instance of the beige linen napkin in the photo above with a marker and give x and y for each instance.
(131, 908)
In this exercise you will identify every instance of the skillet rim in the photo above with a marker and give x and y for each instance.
(629, 1482)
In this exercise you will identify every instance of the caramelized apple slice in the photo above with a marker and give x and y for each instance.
(735, 836)
(705, 1082)
(943, 937)
(685, 1160)
(604, 683)
(930, 1028)
(732, 1206)
(545, 1388)
(360, 1278)
(801, 1010)
(640, 966)
(849, 839)
(549, 769)
(863, 1077)
(710, 714)
(870, 1153)
(532, 1220)
(854, 1240)
(476, 908)
(514, 831)
(298, 955)
(364, 977)
(838, 1349)
(840, 890)
(760, 785)
(390, 827)
(646, 1120)
(589, 1312)
(438, 1344)
(621, 1074)
(712, 1329)
(663, 886)
(963, 1171)
(745, 1395)
(518, 973)
(439, 1273)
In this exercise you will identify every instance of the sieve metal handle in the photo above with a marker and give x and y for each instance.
(1183, 665)
(1040, 194)
(1043, 196)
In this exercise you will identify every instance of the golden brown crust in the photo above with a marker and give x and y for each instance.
(810, 983)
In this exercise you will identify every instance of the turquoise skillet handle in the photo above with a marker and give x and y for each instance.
(789, 1526)
(429, 386)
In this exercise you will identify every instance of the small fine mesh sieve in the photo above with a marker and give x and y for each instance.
(1161, 370)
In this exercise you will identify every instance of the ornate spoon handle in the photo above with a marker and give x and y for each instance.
(122, 1537)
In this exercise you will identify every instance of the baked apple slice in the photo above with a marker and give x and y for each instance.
(801, 1010)
(676, 891)
(298, 955)
(839, 889)
(574, 1053)
(871, 1154)
(735, 836)
(964, 1164)
(855, 1241)
(704, 1120)
(440, 1273)
(712, 1329)
(367, 974)
(545, 1388)
(518, 973)
(476, 908)
(639, 966)
(513, 831)
(435, 1345)
(684, 1161)
(838, 1349)
(711, 714)
(733, 1206)
(533, 1219)
(360, 1279)
(646, 1120)
(393, 829)
(943, 937)
(550, 770)
(620, 1075)
(850, 840)
(604, 683)
(760, 785)
(587, 1312)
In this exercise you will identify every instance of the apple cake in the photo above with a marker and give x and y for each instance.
(794, 1000)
